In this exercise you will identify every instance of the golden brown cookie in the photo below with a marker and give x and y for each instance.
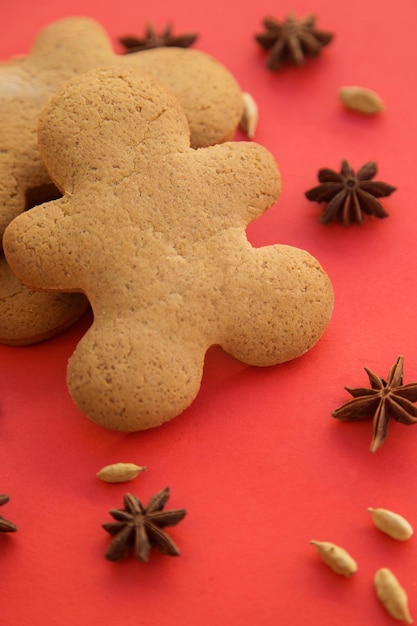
(209, 94)
(154, 233)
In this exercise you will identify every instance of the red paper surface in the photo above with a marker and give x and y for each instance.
(257, 460)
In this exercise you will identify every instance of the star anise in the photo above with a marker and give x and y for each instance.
(151, 39)
(385, 400)
(350, 195)
(137, 528)
(5, 525)
(291, 40)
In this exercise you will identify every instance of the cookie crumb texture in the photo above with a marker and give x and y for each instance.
(153, 232)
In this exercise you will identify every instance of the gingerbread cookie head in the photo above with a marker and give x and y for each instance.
(154, 233)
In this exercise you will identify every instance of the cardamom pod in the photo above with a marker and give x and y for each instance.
(249, 120)
(119, 472)
(336, 558)
(392, 524)
(391, 595)
(361, 100)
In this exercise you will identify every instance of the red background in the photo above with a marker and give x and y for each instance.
(257, 460)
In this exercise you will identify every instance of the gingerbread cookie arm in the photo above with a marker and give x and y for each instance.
(37, 245)
(244, 178)
(208, 92)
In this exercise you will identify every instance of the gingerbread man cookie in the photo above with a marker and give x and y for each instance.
(211, 98)
(154, 233)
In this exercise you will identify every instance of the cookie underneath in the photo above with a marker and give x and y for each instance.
(28, 316)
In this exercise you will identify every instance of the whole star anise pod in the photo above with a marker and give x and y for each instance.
(151, 39)
(137, 527)
(5, 525)
(288, 42)
(385, 400)
(350, 195)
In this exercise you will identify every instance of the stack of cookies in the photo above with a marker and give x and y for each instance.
(138, 205)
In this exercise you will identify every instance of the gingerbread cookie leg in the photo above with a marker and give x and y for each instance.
(287, 312)
(128, 377)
